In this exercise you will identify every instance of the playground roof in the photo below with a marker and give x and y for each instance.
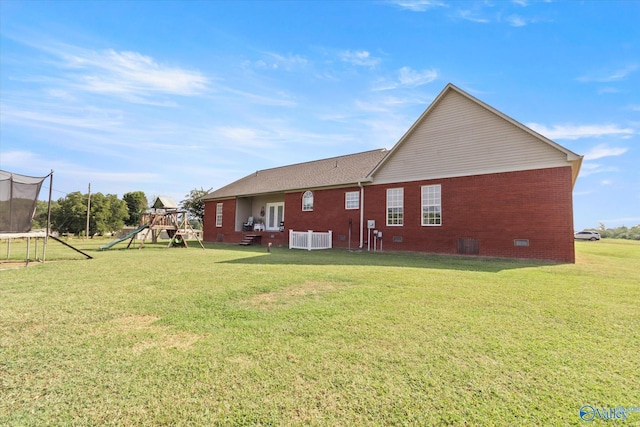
(163, 202)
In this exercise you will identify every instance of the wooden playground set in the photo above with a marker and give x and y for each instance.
(164, 216)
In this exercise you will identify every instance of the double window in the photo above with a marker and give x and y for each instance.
(431, 205)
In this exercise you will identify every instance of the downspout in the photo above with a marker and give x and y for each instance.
(361, 214)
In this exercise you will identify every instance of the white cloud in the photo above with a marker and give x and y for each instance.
(35, 164)
(281, 101)
(384, 133)
(133, 73)
(516, 21)
(371, 107)
(472, 16)
(262, 64)
(359, 57)
(413, 78)
(124, 74)
(18, 157)
(419, 5)
(608, 89)
(124, 177)
(603, 150)
(87, 117)
(479, 12)
(595, 168)
(407, 77)
(611, 76)
(276, 61)
(61, 94)
(261, 139)
(393, 101)
(384, 84)
(582, 131)
(95, 130)
(237, 134)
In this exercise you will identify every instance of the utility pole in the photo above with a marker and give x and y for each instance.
(46, 236)
(88, 210)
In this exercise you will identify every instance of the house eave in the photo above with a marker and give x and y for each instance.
(291, 190)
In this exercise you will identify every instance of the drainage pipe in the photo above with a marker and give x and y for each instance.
(361, 214)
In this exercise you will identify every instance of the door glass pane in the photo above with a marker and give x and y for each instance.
(271, 216)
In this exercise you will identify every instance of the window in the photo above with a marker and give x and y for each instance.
(307, 201)
(219, 215)
(352, 200)
(275, 215)
(395, 206)
(431, 205)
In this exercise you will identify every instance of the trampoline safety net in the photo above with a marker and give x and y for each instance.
(18, 196)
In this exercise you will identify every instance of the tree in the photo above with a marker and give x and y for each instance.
(108, 213)
(71, 213)
(42, 210)
(622, 232)
(136, 205)
(194, 205)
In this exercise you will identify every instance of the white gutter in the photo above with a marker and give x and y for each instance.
(361, 213)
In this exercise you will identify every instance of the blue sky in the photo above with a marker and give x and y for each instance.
(165, 97)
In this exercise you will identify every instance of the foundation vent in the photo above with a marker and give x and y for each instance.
(468, 246)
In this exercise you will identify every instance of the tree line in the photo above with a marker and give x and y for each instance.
(107, 213)
(623, 232)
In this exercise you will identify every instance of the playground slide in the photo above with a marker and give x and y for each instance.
(125, 237)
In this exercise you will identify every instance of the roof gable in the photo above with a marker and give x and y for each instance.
(334, 171)
(459, 135)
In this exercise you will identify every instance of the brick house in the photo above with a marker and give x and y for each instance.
(464, 179)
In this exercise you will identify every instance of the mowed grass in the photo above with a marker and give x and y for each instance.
(239, 336)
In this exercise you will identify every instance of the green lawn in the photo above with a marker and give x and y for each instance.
(239, 336)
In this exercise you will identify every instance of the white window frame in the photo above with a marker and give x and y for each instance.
(395, 207)
(431, 215)
(218, 214)
(273, 223)
(352, 200)
(307, 201)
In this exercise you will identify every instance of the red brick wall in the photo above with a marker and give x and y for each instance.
(211, 233)
(494, 209)
(328, 213)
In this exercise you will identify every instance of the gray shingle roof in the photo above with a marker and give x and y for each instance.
(334, 171)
